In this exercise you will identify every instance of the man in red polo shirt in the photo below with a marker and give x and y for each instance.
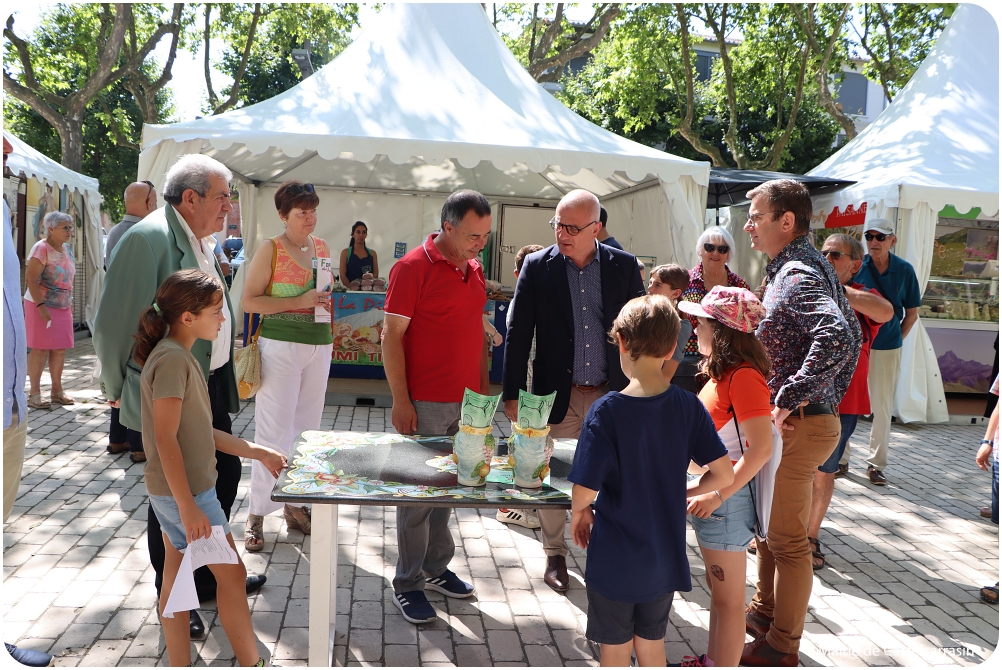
(432, 348)
(845, 254)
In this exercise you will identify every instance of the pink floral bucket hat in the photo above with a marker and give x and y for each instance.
(735, 307)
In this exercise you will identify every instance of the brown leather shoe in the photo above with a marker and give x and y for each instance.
(556, 573)
(117, 447)
(756, 624)
(760, 654)
(877, 477)
(986, 512)
(843, 470)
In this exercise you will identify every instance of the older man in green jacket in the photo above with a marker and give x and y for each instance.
(170, 239)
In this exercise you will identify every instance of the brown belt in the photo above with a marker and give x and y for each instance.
(587, 389)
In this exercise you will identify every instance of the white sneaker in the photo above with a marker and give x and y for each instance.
(526, 518)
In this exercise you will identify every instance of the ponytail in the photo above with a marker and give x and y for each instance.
(351, 240)
(189, 290)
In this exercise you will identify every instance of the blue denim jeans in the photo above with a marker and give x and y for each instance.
(848, 422)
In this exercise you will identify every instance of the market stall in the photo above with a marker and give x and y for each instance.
(49, 186)
(930, 163)
(426, 101)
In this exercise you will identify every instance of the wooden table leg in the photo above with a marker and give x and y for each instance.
(323, 585)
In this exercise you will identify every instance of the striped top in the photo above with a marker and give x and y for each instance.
(289, 280)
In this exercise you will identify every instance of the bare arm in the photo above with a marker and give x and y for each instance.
(342, 268)
(911, 316)
(375, 263)
(32, 277)
(985, 452)
(582, 516)
(872, 305)
(166, 419)
(256, 283)
(758, 432)
(668, 368)
(231, 444)
(403, 416)
(719, 473)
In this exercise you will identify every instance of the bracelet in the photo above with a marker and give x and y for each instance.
(987, 442)
(719, 496)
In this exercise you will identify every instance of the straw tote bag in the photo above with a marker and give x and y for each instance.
(247, 360)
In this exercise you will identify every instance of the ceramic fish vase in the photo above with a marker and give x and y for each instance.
(529, 451)
(472, 450)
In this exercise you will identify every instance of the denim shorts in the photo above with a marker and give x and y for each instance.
(731, 527)
(165, 507)
(614, 622)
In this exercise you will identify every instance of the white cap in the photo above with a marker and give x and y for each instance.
(879, 225)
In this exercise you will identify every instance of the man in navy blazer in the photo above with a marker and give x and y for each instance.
(568, 295)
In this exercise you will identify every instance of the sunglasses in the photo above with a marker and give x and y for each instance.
(299, 189)
(832, 255)
(720, 248)
(573, 231)
(880, 237)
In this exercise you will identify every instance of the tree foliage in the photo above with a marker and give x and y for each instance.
(259, 40)
(896, 38)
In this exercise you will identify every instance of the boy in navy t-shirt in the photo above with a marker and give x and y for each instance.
(634, 449)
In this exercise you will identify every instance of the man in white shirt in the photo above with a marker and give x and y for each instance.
(169, 239)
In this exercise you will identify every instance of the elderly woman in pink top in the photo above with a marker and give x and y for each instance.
(48, 307)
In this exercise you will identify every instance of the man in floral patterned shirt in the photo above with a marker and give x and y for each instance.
(813, 339)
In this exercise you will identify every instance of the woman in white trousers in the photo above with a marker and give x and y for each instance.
(295, 347)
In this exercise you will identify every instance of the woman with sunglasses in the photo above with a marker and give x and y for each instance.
(48, 307)
(295, 348)
(358, 259)
(715, 247)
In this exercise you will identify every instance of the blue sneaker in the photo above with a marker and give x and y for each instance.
(449, 584)
(30, 657)
(415, 607)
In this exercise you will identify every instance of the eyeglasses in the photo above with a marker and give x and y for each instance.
(150, 184)
(573, 231)
(298, 189)
(880, 237)
(720, 248)
(753, 218)
(68, 229)
(832, 255)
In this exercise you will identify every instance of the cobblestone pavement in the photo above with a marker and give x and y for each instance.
(905, 565)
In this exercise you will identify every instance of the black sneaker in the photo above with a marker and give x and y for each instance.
(449, 584)
(415, 607)
(30, 657)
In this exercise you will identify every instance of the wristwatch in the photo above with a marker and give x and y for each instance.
(987, 442)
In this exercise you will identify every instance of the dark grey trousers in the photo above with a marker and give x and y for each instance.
(424, 542)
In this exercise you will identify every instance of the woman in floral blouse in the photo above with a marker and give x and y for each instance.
(715, 247)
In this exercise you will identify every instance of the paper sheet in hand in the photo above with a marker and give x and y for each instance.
(206, 551)
(478, 410)
(324, 276)
(534, 410)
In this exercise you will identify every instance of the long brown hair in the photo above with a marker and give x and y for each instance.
(190, 290)
(732, 347)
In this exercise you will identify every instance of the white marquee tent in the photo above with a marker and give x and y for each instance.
(34, 165)
(426, 101)
(937, 144)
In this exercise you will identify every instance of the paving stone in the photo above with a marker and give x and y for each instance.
(401, 655)
(504, 645)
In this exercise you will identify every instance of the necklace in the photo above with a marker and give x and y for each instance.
(304, 248)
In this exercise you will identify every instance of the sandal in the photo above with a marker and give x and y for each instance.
(62, 399)
(37, 402)
(990, 594)
(254, 533)
(298, 518)
(816, 553)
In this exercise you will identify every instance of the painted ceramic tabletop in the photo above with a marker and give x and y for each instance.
(389, 469)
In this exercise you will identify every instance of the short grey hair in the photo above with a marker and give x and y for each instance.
(54, 220)
(192, 171)
(461, 203)
(716, 234)
(849, 242)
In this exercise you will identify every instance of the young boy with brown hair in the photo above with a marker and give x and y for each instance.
(634, 450)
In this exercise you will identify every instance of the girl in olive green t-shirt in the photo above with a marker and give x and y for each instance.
(181, 467)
